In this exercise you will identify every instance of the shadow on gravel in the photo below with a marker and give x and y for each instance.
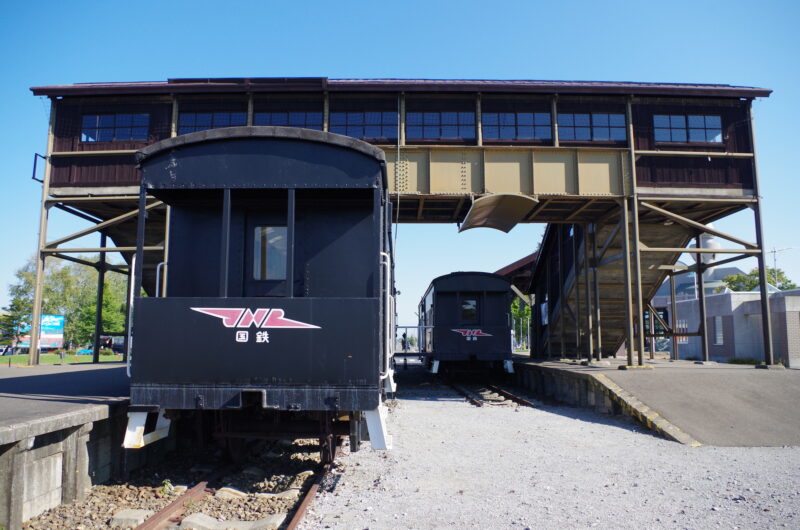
(415, 383)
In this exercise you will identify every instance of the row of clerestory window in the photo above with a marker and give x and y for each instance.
(382, 126)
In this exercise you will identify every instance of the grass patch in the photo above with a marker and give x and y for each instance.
(744, 360)
(54, 358)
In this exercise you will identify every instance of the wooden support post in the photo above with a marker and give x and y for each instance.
(595, 272)
(587, 297)
(576, 262)
(98, 314)
(701, 297)
(637, 264)
(673, 316)
(627, 275)
(38, 288)
(561, 296)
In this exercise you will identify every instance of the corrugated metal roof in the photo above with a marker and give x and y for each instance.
(270, 84)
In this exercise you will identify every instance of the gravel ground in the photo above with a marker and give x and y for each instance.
(268, 482)
(458, 466)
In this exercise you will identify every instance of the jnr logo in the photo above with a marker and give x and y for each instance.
(472, 332)
(242, 317)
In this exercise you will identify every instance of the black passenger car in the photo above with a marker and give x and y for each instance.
(465, 316)
(278, 285)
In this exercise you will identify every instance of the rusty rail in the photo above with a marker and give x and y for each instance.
(508, 395)
(464, 392)
(176, 507)
(308, 499)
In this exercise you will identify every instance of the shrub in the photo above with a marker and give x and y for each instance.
(743, 360)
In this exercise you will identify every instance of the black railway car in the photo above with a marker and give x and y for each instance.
(465, 316)
(277, 298)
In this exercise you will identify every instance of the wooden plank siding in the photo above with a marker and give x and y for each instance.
(460, 167)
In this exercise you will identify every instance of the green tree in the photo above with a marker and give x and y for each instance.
(749, 281)
(70, 289)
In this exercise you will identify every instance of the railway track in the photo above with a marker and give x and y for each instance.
(488, 394)
(210, 489)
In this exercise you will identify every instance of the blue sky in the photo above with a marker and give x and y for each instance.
(734, 42)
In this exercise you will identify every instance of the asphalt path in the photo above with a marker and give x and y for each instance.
(722, 405)
(35, 393)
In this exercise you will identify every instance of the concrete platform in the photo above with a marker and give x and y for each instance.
(61, 429)
(40, 399)
(711, 404)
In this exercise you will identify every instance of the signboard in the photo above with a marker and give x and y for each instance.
(51, 335)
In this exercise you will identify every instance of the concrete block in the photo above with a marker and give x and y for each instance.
(230, 493)
(271, 522)
(130, 518)
(41, 489)
(201, 521)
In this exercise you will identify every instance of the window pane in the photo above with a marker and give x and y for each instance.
(618, 133)
(449, 131)
(542, 118)
(582, 119)
(713, 135)
(355, 118)
(677, 121)
(508, 133)
(414, 118)
(89, 135)
(389, 118)
(222, 119)
(105, 135)
(466, 118)
(662, 135)
(430, 118)
(600, 133)
(449, 118)
(297, 119)
(582, 133)
(469, 309)
(338, 118)
(697, 135)
(566, 133)
(202, 119)
(356, 131)
(543, 133)
(338, 129)
(490, 118)
(372, 131)
(122, 133)
(508, 118)
(141, 120)
(713, 122)
(372, 118)
(678, 135)
(600, 120)
(566, 120)
(238, 118)
(139, 133)
(525, 132)
(389, 131)
(106, 120)
(660, 121)
(616, 120)
(414, 132)
(124, 120)
(430, 133)
(697, 122)
(491, 132)
(314, 118)
(525, 118)
(186, 119)
(467, 132)
(89, 121)
(269, 253)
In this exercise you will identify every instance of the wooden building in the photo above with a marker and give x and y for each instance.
(636, 167)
